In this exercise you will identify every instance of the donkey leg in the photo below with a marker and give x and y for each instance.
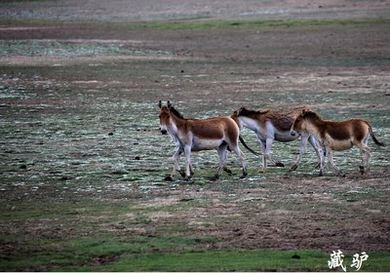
(264, 166)
(226, 169)
(331, 162)
(319, 151)
(175, 159)
(265, 163)
(322, 164)
(268, 153)
(365, 152)
(302, 150)
(368, 153)
(240, 157)
(187, 153)
(222, 158)
(367, 159)
(262, 148)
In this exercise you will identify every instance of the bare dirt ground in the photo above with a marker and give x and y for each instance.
(79, 123)
(151, 10)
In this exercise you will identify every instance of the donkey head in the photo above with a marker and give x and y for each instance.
(299, 124)
(165, 116)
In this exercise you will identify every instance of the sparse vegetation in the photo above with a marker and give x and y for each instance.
(83, 164)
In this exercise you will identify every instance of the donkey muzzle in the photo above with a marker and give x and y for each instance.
(163, 131)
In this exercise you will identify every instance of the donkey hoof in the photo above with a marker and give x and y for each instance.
(168, 178)
(244, 174)
(214, 178)
(321, 173)
(361, 168)
(182, 173)
(279, 164)
(228, 171)
(187, 178)
(341, 174)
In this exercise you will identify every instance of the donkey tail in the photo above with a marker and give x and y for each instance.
(247, 147)
(377, 142)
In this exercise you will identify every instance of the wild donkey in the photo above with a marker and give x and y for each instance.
(337, 136)
(270, 125)
(189, 135)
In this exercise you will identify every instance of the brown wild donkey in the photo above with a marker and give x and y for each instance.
(274, 125)
(337, 136)
(190, 135)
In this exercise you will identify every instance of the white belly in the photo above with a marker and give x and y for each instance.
(205, 144)
(339, 145)
(285, 136)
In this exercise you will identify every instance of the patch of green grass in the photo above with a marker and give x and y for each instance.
(83, 253)
(38, 210)
(62, 254)
(168, 254)
(237, 260)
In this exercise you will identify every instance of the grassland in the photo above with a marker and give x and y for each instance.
(83, 163)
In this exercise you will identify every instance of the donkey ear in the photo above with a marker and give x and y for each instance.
(242, 108)
(169, 104)
(307, 112)
(159, 104)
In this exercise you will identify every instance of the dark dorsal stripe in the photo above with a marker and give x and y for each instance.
(250, 113)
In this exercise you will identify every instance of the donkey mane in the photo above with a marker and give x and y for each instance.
(175, 112)
(247, 112)
(310, 115)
